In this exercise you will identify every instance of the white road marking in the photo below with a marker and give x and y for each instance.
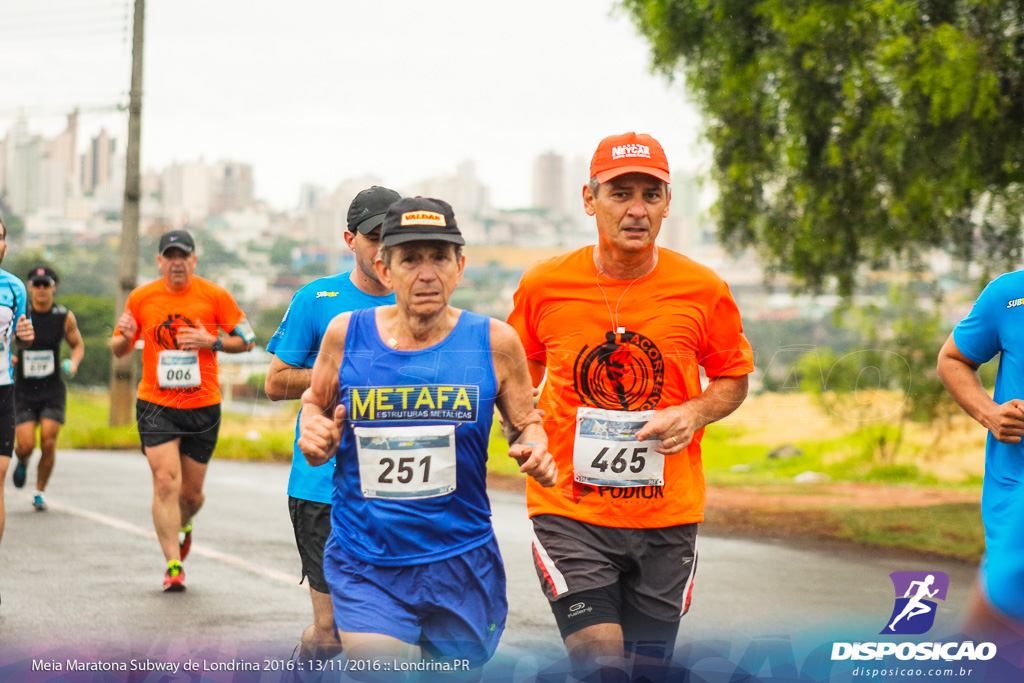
(197, 549)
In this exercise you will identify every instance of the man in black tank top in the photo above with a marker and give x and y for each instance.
(40, 394)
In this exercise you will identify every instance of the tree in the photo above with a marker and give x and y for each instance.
(213, 253)
(281, 251)
(15, 227)
(267, 322)
(899, 342)
(853, 133)
(95, 317)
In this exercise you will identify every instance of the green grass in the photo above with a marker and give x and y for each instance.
(498, 461)
(950, 529)
(845, 458)
(241, 437)
(86, 426)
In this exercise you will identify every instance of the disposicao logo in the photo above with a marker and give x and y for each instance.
(913, 614)
(916, 592)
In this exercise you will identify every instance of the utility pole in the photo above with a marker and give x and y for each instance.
(122, 381)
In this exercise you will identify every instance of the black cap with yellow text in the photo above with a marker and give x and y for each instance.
(420, 219)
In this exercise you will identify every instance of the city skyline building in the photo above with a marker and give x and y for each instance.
(550, 185)
(233, 186)
(97, 164)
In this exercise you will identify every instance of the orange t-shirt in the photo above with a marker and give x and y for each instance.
(159, 314)
(625, 346)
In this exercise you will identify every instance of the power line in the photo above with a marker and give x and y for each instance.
(50, 18)
(50, 11)
(110, 37)
(48, 110)
(68, 28)
(93, 22)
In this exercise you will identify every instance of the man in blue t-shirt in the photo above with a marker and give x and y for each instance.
(15, 327)
(295, 346)
(995, 325)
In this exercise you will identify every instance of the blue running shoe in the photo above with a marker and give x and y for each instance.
(39, 503)
(19, 474)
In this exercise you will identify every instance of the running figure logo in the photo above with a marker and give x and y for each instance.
(626, 372)
(914, 612)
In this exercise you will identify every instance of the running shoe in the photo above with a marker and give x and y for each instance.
(174, 579)
(19, 474)
(185, 544)
(39, 503)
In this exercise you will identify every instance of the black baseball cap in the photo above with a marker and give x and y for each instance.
(43, 274)
(366, 212)
(420, 218)
(177, 239)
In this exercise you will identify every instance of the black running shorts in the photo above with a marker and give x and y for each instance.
(654, 567)
(196, 427)
(311, 522)
(6, 421)
(52, 406)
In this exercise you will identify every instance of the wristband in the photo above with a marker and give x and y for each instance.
(217, 345)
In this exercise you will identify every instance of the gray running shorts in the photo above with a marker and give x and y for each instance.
(654, 567)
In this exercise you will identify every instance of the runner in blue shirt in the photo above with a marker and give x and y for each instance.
(995, 325)
(295, 346)
(14, 327)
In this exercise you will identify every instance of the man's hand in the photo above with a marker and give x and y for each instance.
(127, 326)
(24, 332)
(674, 426)
(535, 460)
(1006, 421)
(320, 436)
(195, 338)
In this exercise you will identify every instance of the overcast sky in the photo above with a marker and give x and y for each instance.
(323, 90)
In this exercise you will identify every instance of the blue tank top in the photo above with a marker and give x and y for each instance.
(451, 384)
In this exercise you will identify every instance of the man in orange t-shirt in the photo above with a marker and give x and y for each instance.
(621, 329)
(178, 407)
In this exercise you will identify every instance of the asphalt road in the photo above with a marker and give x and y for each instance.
(85, 577)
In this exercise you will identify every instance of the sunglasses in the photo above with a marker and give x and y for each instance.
(41, 283)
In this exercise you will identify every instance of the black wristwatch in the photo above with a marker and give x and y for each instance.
(218, 344)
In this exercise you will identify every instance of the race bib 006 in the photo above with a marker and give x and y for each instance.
(178, 369)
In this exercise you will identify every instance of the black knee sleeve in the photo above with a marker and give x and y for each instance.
(647, 636)
(586, 608)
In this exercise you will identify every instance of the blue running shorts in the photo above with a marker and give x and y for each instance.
(453, 609)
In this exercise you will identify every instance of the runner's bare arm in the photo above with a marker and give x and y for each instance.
(286, 381)
(124, 343)
(528, 443)
(959, 374)
(676, 426)
(322, 417)
(74, 337)
(198, 337)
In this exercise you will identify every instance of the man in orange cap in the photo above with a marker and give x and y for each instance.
(621, 330)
